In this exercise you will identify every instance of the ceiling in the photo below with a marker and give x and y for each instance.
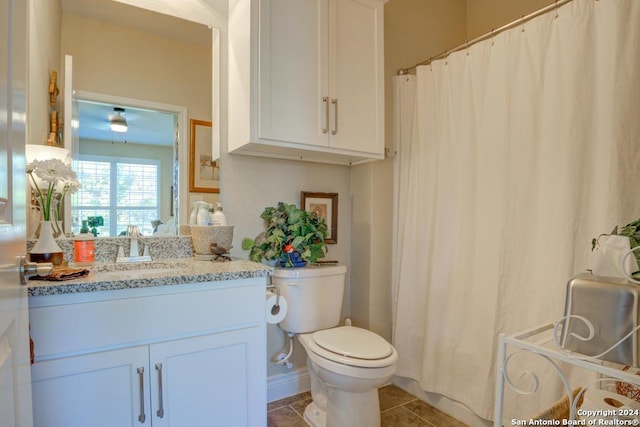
(116, 13)
(145, 126)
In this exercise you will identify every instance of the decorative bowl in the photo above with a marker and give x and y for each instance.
(204, 235)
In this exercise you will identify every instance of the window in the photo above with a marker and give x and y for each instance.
(121, 191)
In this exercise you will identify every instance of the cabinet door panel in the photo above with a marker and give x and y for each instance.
(99, 389)
(293, 71)
(356, 75)
(212, 380)
(7, 382)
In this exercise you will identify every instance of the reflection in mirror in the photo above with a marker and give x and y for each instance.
(127, 51)
(125, 164)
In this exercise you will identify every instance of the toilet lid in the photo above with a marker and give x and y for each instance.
(353, 342)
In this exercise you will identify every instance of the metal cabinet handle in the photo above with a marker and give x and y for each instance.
(142, 416)
(334, 101)
(160, 411)
(325, 101)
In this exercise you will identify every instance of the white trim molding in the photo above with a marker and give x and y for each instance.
(288, 384)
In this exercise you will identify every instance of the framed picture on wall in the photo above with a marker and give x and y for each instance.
(325, 205)
(204, 170)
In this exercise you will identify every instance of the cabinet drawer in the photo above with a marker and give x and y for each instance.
(68, 329)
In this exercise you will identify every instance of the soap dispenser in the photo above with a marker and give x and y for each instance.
(218, 217)
(83, 247)
(203, 217)
(193, 218)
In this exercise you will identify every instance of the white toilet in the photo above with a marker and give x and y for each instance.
(346, 364)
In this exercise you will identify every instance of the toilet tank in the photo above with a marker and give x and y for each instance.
(314, 295)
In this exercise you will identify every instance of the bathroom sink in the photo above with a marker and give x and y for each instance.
(151, 267)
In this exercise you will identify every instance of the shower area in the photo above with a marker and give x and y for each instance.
(511, 153)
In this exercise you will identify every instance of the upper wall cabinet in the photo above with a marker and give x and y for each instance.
(306, 79)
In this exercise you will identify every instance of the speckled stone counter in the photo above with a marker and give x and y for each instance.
(110, 276)
(164, 247)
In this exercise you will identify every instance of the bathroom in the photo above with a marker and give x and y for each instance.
(414, 30)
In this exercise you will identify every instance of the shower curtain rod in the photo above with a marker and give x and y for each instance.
(525, 18)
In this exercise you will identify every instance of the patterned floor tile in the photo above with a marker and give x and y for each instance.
(432, 415)
(401, 417)
(392, 396)
(397, 409)
(285, 417)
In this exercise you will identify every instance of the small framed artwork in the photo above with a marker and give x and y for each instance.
(204, 170)
(326, 206)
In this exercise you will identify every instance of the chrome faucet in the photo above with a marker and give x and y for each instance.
(133, 231)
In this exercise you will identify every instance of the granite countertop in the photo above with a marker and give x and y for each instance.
(111, 276)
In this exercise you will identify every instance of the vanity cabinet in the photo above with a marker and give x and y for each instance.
(307, 82)
(193, 355)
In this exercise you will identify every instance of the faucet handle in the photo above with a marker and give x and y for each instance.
(133, 231)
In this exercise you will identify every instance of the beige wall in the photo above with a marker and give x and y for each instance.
(485, 15)
(44, 57)
(126, 62)
(253, 183)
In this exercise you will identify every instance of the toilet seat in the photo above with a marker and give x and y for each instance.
(351, 346)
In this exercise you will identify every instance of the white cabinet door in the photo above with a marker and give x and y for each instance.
(212, 380)
(15, 390)
(293, 78)
(107, 389)
(356, 76)
(321, 73)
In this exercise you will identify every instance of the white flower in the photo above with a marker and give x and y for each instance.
(57, 177)
(51, 170)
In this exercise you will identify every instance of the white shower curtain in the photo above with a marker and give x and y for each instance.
(512, 155)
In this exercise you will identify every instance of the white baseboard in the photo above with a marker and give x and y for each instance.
(288, 384)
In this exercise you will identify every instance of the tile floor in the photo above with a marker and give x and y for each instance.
(397, 409)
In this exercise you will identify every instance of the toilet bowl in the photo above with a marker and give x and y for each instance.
(346, 364)
(344, 387)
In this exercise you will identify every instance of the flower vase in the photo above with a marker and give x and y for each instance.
(57, 228)
(46, 248)
(292, 260)
(57, 219)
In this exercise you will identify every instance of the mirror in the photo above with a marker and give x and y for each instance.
(126, 52)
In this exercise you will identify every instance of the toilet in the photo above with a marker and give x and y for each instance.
(346, 364)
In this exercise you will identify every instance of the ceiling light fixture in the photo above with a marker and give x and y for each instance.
(118, 123)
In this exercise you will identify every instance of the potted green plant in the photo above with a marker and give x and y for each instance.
(291, 238)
